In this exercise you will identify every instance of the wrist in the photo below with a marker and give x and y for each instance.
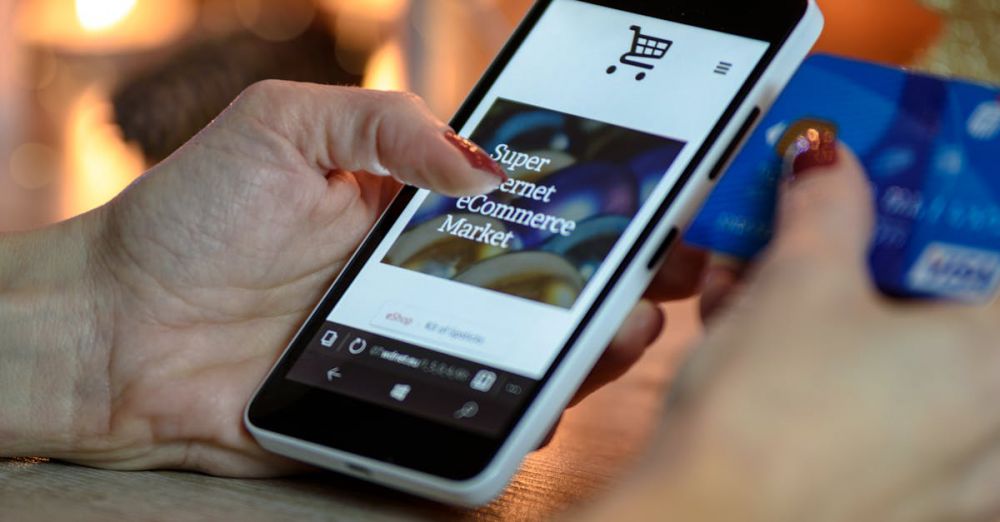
(53, 359)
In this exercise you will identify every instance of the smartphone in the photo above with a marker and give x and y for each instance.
(450, 344)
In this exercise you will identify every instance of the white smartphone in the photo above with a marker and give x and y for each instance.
(452, 341)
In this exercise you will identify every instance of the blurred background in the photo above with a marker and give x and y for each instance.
(93, 92)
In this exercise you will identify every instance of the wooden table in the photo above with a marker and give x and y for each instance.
(595, 446)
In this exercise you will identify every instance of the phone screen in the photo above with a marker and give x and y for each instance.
(466, 303)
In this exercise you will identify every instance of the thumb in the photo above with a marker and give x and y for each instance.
(826, 213)
(382, 133)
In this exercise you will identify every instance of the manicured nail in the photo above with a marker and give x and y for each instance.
(475, 155)
(807, 145)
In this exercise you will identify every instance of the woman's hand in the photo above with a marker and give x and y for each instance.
(203, 269)
(814, 398)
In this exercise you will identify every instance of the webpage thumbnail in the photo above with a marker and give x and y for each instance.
(575, 186)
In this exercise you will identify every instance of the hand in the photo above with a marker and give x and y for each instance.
(814, 398)
(209, 263)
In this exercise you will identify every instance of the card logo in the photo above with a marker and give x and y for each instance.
(956, 272)
(984, 124)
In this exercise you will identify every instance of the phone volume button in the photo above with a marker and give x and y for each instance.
(731, 149)
(662, 249)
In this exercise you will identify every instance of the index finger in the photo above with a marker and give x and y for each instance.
(383, 133)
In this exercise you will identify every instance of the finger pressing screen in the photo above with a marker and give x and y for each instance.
(383, 133)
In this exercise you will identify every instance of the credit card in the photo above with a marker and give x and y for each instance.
(931, 148)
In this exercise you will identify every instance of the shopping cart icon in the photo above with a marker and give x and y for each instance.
(644, 47)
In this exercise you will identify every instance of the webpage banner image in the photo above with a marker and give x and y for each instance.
(576, 184)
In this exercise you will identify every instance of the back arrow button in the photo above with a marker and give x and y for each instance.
(333, 373)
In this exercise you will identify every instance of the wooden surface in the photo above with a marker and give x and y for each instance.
(596, 444)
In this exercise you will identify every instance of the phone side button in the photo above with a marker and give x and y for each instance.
(731, 149)
(662, 249)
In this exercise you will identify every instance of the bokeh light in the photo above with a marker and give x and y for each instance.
(386, 69)
(64, 151)
(102, 164)
(98, 15)
(33, 165)
(102, 26)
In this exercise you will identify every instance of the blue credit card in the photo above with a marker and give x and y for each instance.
(931, 147)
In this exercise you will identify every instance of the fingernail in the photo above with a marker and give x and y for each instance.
(475, 155)
(808, 145)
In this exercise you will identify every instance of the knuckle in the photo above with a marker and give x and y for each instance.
(263, 96)
(372, 137)
(408, 97)
(386, 124)
(265, 90)
(396, 100)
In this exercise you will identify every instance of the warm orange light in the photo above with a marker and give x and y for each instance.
(362, 25)
(102, 26)
(891, 31)
(98, 15)
(386, 70)
(98, 163)
(383, 10)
